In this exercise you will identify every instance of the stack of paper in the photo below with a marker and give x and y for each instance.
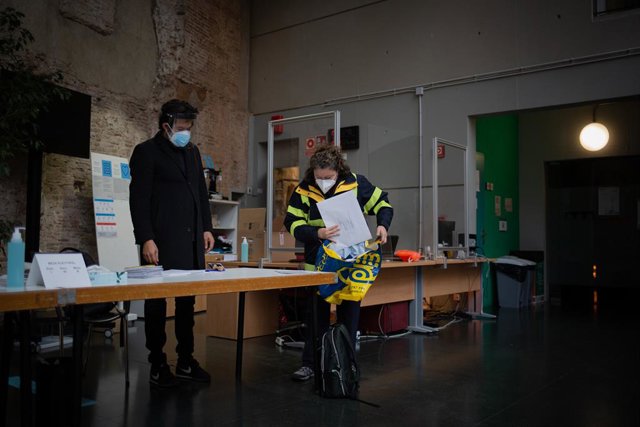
(144, 271)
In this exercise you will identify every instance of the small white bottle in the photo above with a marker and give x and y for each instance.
(15, 260)
(244, 250)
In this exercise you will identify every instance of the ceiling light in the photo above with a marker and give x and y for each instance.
(594, 136)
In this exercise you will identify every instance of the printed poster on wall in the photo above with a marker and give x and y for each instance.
(114, 230)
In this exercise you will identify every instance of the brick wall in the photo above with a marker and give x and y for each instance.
(201, 51)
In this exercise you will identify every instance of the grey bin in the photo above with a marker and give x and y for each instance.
(514, 276)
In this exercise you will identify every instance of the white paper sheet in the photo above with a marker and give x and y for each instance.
(345, 211)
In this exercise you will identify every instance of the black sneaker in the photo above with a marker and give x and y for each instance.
(161, 376)
(192, 372)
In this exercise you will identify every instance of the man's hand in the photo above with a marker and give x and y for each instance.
(329, 233)
(150, 252)
(208, 241)
(381, 232)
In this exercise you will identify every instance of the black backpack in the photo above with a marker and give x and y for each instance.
(338, 365)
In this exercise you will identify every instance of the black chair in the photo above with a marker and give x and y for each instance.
(107, 320)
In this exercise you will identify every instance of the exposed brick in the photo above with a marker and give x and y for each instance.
(203, 56)
(99, 15)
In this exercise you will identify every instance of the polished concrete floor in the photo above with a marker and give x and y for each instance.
(546, 366)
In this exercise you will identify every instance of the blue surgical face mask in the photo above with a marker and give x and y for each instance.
(181, 138)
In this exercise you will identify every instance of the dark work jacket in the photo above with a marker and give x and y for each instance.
(169, 201)
(303, 218)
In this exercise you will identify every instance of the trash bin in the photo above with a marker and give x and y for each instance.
(514, 276)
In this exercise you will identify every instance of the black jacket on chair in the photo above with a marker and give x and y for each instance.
(169, 201)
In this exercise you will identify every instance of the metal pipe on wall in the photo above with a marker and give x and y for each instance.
(420, 94)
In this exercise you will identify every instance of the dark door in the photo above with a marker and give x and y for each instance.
(593, 223)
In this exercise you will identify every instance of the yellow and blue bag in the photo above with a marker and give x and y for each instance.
(355, 276)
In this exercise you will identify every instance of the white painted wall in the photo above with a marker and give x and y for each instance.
(304, 53)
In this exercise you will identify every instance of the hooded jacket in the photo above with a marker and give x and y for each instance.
(303, 219)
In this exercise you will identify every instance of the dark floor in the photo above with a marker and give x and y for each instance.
(547, 366)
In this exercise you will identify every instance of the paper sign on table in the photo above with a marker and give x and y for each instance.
(345, 211)
(58, 271)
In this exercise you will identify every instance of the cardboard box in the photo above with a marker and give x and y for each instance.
(256, 246)
(251, 224)
(282, 239)
(251, 219)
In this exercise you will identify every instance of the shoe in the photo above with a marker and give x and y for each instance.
(161, 376)
(192, 371)
(303, 374)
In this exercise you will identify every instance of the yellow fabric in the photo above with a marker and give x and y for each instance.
(310, 194)
(297, 224)
(297, 212)
(373, 200)
(380, 206)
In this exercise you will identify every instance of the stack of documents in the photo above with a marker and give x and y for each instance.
(144, 271)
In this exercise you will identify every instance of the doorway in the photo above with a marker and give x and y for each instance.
(593, 228)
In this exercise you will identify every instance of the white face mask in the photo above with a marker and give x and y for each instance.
(325, 184)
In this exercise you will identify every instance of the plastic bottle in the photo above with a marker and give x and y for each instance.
(244, 250)
(15, 260)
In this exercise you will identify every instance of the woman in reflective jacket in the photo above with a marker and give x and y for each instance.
(327, 176)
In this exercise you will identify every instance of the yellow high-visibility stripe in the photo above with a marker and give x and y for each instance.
(316, 222)
(381, 205)
(373, 200)
(296, 224)
(312, 195)
(341, 188)
(297, 212)
(309, 267)
(305, 200)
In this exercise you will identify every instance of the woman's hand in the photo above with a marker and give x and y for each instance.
(150, 252)
(329, 233)
(381, 232)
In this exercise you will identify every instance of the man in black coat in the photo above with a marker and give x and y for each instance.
(172, 224)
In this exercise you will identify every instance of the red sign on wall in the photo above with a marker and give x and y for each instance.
(441, 151)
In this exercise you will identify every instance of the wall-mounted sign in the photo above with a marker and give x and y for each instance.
(441, 151)
(349, 137)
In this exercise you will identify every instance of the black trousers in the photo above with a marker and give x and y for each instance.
(155, 319)
(348, 313)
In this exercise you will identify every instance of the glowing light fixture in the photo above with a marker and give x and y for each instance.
(594, 136)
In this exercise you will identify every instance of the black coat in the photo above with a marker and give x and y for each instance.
(169, 201)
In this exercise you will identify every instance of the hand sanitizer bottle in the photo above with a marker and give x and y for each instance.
(244, 250)
(15, 260)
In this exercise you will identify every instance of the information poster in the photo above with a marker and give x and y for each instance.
(114, 230)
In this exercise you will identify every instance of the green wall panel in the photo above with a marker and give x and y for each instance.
(497, 147)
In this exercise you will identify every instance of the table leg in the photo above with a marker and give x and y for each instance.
(26, 399)
(240, 336)
(416, 315)
(314, 340)
(8, 332)
(78, 339)
(480, 314)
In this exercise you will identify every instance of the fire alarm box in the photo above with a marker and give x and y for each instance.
(277, 129)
